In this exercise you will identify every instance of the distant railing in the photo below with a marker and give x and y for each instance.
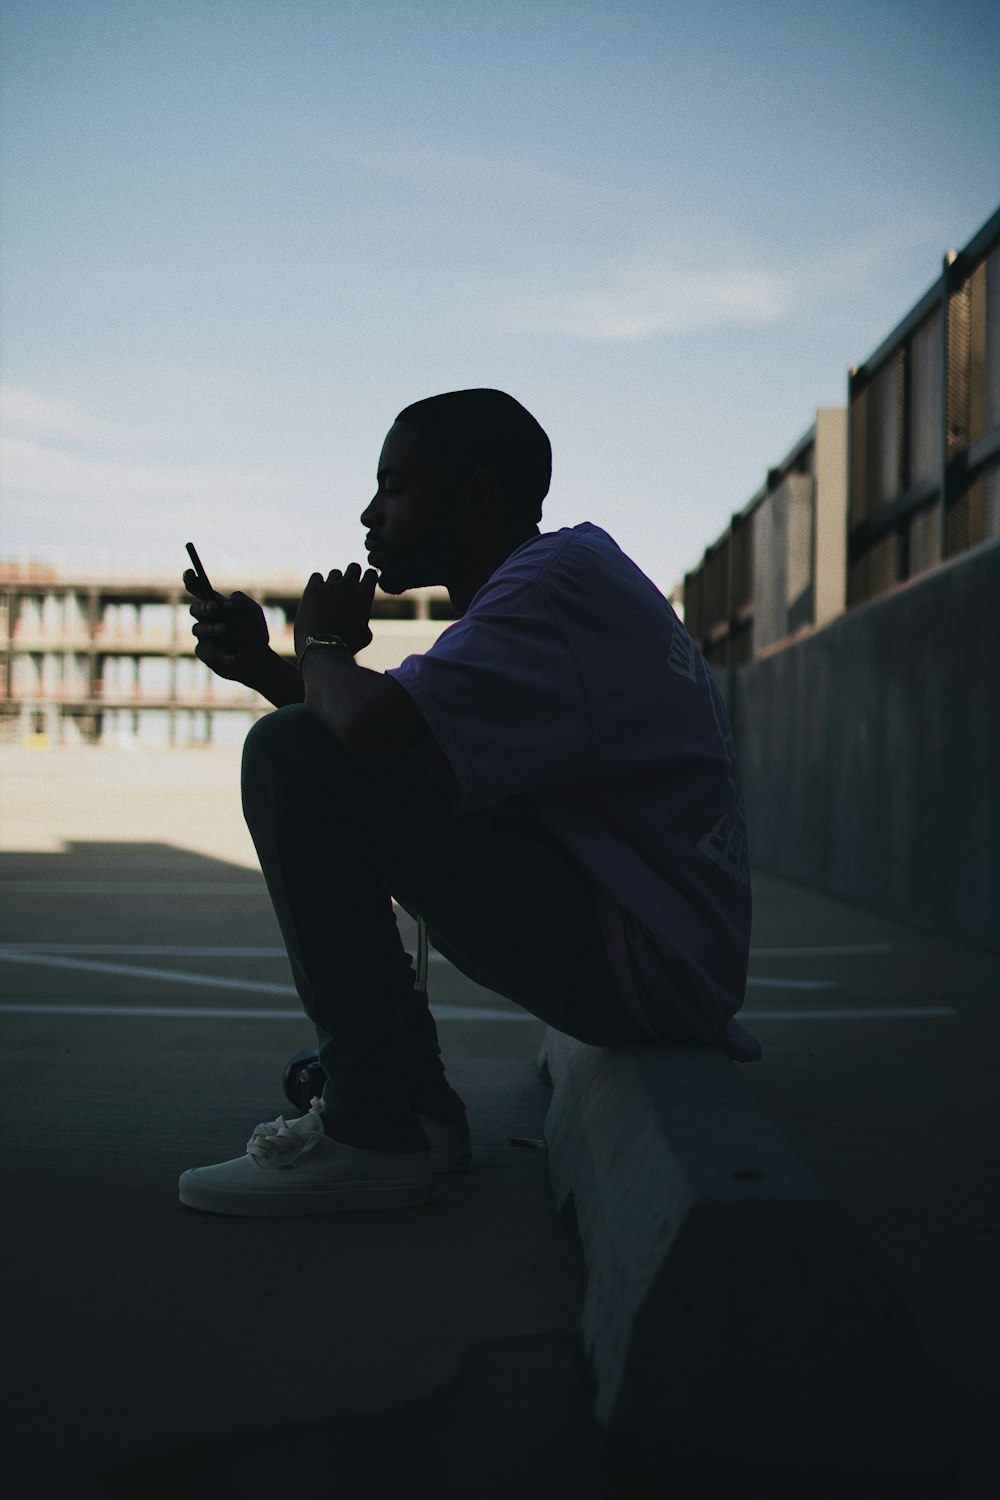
(133, 698)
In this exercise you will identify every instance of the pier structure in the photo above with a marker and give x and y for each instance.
(86, 659)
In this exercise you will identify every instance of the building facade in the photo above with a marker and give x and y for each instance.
(778, 569)
(106, 661)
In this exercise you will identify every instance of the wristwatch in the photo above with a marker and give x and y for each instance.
(323, 640)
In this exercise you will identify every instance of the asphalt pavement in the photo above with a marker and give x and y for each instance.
(147, 1012)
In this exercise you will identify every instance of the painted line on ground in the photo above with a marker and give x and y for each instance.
(448, 1013)
(48, 959)
(850, 1013)
(830, 950)
(761, 982)
(152, 950)
(220, 1013)
(138, 971)
(824, 950)
(142, 950)
(132, 887)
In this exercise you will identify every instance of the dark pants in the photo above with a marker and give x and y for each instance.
(337, 838)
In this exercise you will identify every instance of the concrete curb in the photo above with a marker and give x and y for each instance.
(732, 1314)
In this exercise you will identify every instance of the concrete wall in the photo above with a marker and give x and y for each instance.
(870, 753)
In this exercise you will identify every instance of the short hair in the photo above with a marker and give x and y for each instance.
(486, 429)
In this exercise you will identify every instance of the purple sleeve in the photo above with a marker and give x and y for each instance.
(503, 696)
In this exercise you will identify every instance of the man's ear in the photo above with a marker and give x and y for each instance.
(483, 492)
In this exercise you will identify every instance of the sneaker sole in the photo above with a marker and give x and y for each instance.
(351, 1198)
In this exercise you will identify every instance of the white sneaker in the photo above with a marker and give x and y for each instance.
(294, 1167)
(449, 1141)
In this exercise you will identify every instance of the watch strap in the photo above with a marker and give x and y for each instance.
(336, 641)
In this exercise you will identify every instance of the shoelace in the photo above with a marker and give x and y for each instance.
(276, 1138)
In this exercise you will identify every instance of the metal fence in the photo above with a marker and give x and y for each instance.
(861, 506)
(925, 428)
(756, 586)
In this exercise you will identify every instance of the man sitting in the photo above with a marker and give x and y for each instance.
(552, 787)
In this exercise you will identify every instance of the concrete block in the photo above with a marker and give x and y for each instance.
(733, 1316)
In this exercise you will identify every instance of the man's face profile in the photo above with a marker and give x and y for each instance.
(411, 537)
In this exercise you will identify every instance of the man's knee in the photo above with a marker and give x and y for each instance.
(273, 728)
(288, 742)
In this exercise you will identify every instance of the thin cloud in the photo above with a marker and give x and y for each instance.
(31, 415)
(77, 510)
(36, 469)
(513, 193)
(653, 303)
(54, 447)
(848, 269)
(637, 303)
(78, 487)
(457, 169)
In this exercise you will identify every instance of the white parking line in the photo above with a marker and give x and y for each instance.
(43, 956)
(219, 1013)
(447, 1013)
(882, 1013)
(846, 950)
(142, 950)
(453, 1013)
(153, 950)
(828, 950)
(136, 971)
(133, 887)
(791, 984)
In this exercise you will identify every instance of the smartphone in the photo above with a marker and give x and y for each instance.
(207, 589)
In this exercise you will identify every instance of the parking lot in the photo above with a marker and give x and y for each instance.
(147, 1012)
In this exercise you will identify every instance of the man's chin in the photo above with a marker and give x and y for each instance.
(391, 582)
(397, 575)
(400, 577)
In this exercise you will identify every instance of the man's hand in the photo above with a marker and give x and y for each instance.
(232, 634)
(340, 604)
(368, 712)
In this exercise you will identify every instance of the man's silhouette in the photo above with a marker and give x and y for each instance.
(552, 788)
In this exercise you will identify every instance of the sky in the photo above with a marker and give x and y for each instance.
(240, 235)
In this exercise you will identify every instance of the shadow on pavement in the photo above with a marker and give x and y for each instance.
(155, 1350)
